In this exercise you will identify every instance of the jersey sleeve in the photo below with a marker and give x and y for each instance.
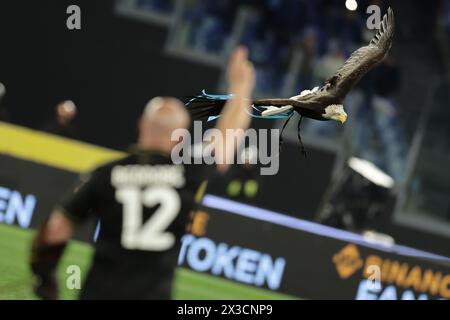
(78, 203)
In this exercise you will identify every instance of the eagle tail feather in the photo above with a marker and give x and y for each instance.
(205, 105)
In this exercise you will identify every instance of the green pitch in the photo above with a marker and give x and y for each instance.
(15, 277)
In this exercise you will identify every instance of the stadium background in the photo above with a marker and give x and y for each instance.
(129, 51)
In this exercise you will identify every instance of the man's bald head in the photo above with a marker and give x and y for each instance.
(160, 118)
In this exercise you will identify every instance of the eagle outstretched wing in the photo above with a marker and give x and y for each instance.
(363, 59)
(357, 65)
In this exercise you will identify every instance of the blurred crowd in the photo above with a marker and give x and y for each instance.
(318, 34)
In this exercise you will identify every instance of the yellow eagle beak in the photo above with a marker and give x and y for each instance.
(343, 118)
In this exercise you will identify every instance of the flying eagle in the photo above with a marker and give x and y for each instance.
(325, 103)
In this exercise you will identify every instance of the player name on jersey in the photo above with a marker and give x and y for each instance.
(143, 175)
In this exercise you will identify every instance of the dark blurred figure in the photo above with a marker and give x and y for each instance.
(3, 113)
(360, 198)
(61, 124)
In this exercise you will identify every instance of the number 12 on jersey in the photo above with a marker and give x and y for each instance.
(151, 235)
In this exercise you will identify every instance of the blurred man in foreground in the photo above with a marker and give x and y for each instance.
(142, 202)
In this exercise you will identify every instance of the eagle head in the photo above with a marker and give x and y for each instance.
(335, 112)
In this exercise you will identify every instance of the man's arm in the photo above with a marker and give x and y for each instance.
(46, 250)
(58, 228)
(51, 239)
(236, 113)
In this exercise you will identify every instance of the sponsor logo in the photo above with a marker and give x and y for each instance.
(406, 276)
(198, 224)
(366, 291)
(232, 262)
(347, 261)
(16, 207)
(400, 280)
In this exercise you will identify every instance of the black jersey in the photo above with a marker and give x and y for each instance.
(142, 203)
